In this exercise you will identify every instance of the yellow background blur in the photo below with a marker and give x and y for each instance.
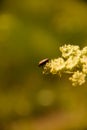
(31, 30)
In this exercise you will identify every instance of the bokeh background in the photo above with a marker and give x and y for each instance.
(31, 30)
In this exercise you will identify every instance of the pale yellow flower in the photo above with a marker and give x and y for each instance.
(72, 62)
(68, 50)
(84, 51)
(57, 65)
(84, 68)
(78, 78)
(83, 59)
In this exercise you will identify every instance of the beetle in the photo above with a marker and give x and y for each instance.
(43, 62)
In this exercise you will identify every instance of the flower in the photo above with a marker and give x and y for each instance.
(84, 51)
(83, 59)
(78, 78)
(55, 65)
(68, 50)
(72, 62)
(84, 68)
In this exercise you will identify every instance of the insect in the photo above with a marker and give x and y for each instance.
(43, 62)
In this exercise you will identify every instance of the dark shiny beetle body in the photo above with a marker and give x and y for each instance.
(43, 62)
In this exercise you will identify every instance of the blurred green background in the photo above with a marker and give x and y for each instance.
(31, 30)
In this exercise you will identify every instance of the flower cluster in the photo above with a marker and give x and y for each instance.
(73, 61)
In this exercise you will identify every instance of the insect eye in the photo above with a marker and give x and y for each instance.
(43, 62)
